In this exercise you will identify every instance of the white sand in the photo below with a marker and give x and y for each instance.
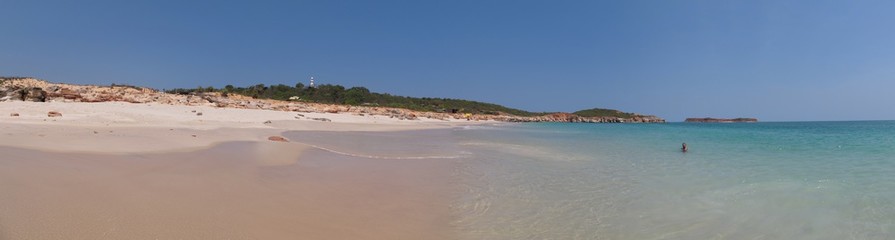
(149, 171)
(119, 127)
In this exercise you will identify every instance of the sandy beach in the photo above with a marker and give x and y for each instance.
(118, 170)
(119, 127)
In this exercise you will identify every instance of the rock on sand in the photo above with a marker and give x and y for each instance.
(277, 139)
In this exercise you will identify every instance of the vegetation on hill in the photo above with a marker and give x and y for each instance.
(601, 112)
(337, 94)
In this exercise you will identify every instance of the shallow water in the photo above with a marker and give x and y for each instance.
(811, 180)
(815, 180)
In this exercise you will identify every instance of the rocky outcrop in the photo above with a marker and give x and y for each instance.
(31, 94)
(64, 94)
(19, 89)
(30, 89)
(34, 95)
(720, 120)
(568, 117)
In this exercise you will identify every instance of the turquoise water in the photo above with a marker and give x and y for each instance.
(794, 180)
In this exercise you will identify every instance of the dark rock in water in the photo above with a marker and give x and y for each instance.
(721, 120)
(13, 114)
(54, 114)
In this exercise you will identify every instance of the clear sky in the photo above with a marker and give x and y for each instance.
(774, 60)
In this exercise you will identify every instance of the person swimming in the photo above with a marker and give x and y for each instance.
(683, 147)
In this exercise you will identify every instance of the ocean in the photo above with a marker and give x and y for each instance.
(775, 180)
(788, 180)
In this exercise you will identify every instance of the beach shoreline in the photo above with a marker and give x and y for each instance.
(147, 171)
(120, 128)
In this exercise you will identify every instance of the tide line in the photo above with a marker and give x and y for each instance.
(382, 157)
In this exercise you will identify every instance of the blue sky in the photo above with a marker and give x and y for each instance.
(775, 60)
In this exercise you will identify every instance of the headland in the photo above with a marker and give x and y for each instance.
(35, 90)
(721, 120)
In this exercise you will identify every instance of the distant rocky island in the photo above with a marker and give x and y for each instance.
(721, 120)
(320, 99)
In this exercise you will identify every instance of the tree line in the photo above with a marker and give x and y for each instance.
(359, 96)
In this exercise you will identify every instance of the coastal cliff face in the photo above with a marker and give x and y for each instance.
(720, 120)
(30, 89)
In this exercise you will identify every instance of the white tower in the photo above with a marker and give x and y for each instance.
(312, 82)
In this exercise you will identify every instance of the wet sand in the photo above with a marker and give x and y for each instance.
(233, 190)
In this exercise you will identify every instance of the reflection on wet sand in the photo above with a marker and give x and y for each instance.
(237, 190)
